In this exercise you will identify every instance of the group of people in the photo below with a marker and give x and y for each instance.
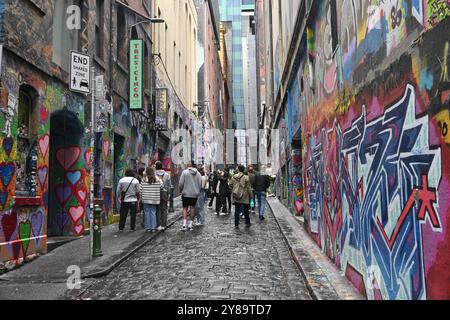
(151, 191)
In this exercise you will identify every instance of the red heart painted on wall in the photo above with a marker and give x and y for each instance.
(9, 225)
(68, 157)
(81, 196)
(76, 213)
(87, 158)
(43, 112)
(79, 230)
(44, 143)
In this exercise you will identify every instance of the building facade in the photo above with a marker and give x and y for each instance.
(46, 155)
(175, 71)
(361, 99)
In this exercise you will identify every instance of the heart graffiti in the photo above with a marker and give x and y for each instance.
(63, 194)
(44, 143)
(61, 220)
(68, 157)
(9, 225)
(37, 223)
(76, 214)
(24, 235)
(87, 158)
(42, 176)
(3, 199)
(79, 230)
(73, 177)
(6, 173)
(8, 144)
(81, 196)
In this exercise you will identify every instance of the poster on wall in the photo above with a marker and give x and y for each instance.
(136, 97)
(161, 109)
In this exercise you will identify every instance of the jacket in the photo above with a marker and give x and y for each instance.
(224, 188)
(165, 178)
(151, 193)
(262, 183)
(245, 182)
(190, 183)
(252, 177)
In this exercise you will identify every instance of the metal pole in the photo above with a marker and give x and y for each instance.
(91, 216)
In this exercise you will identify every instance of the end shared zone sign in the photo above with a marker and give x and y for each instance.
(80, 72)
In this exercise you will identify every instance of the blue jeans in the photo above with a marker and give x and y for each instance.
(261, 196)
(150, 216)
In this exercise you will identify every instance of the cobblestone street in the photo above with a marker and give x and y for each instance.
(212, 262)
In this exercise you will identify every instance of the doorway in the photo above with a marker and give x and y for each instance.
(65, 207)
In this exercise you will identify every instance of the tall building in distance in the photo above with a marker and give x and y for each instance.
(238, 18)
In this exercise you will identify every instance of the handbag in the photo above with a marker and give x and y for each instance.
(124, 193)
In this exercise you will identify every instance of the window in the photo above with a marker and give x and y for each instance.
(27, 142)
(99, 28)
(64, 40)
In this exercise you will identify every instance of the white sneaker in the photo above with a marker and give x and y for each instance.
(184, 228)
(223, 214)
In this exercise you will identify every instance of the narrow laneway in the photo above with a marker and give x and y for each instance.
(212, 262)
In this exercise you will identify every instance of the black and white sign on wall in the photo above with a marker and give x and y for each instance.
(80, 72)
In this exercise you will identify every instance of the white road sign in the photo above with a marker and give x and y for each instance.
(80, 72)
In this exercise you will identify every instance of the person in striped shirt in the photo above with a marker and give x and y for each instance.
(151, 198)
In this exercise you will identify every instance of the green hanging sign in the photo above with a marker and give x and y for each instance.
(136, 97)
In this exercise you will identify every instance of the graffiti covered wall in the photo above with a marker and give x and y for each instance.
(376, 143)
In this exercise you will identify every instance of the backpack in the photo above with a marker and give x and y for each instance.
(238, 189)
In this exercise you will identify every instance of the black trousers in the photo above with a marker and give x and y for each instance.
(229, 201)
(124, 208)
(213, 195)
(221, 203)
(242, 208)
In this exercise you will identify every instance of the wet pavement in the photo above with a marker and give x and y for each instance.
(216, 261)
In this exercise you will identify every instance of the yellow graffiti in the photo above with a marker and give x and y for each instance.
(443, 119)
(444, 65)
(344, 102)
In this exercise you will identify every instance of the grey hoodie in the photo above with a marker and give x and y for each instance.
(191, 183)
(165, 177)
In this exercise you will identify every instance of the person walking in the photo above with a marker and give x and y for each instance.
(128, 193)
(241, 192)
(228, 172)
(213, 185)
(251, 175)
(162, 210)
(222, 192)
(202, 200)
(262, 183)
(151, 198)
(190, 186)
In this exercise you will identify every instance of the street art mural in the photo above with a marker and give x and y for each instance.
(376, 176)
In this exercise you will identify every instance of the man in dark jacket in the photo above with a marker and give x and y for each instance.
(222, 190)
(213, 185)
(262, 183)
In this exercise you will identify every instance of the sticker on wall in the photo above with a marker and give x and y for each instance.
(106, 147)
(68, 157)
(44, 143)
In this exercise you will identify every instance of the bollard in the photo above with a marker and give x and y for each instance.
(97, 252)
(171, 208)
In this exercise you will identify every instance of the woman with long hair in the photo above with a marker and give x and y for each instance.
(151, 198)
